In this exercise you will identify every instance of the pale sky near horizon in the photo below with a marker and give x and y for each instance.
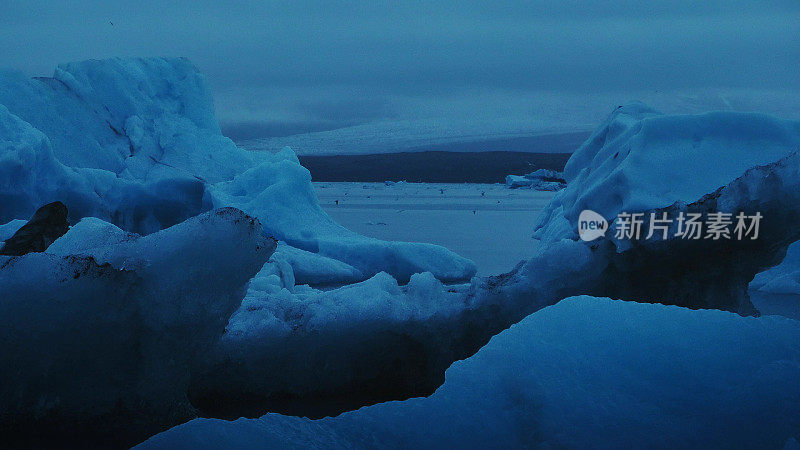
(281, 67)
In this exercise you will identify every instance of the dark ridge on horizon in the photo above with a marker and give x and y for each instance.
(431, 166)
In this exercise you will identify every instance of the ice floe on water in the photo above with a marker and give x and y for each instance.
(540, 180)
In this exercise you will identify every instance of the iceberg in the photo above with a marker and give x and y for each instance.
(641, 160)
(100, 334)
(132, 148)
(135, 143)
(280, 191)
(540, 180)
(585, 373)
(645, 162)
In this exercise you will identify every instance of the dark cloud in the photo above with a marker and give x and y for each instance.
(371, 52)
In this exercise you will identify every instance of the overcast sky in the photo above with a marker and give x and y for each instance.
(294, 65)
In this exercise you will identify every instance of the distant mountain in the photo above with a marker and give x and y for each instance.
(499, 134)
(544, 123)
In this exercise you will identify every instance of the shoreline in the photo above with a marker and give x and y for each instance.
(430, 166)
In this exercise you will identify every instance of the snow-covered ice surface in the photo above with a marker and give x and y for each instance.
(585, 373)
(486, 223)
